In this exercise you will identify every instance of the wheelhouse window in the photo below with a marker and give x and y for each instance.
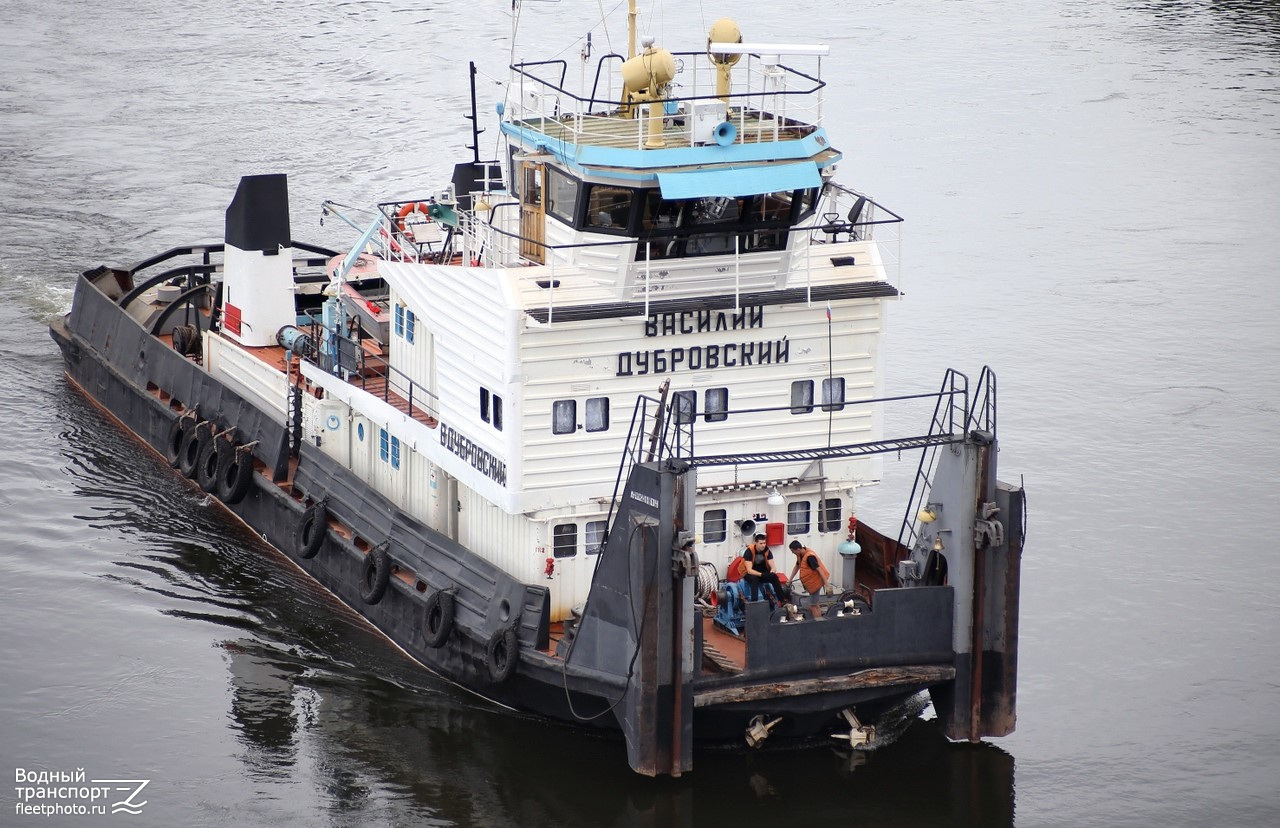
(715, 525)
(716, 408)
(609, 209)
(399, 319)
(395, 452)
(564, 416)
(801, 396)
(714, 224)
(598, 414)
(562, 196)
(833, 394)
(564, 540)
(409, 325)
(797, 517)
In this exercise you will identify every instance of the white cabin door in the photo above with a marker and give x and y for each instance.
(575, 549)
(533, 214)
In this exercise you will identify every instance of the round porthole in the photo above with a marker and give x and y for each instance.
(333, 422)
(360, 431)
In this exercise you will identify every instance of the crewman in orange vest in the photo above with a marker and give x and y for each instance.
(813, 572)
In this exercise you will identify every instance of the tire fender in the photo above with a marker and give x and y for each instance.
(502, 654)
(235, 472)
(310, 532)
(437, 618)
(375, 575)
(193, 442)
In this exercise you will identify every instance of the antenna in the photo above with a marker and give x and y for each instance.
(474, 146)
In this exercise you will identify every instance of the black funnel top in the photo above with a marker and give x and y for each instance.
(258, 218)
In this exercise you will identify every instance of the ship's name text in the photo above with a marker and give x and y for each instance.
(481, 460)
(704, 321)
(704, 357)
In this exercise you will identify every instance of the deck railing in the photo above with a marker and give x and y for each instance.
(768, 101)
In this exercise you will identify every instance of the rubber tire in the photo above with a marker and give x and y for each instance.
(177, 436)
(437, 618)
(375, 575)
(193, 443)
(235, 472)
(502, 654)
(309, 535)
(207, 466)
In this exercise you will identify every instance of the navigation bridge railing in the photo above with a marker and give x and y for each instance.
(768, 101)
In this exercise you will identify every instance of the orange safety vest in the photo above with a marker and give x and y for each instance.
(813, 580)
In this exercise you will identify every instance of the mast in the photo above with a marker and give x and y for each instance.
(631, 29)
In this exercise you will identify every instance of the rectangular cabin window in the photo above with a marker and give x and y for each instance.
(497, 412)
(713, 225)
(564, 540)
(598, 414)
(829, 518)
(484, 404)
(399, 319)
(609, 209)
(564, 416)
(384, 445)
(395, 452)
(409, 319)
(797, 517)
(715, 525)
(801, 396)
(717, 404)
(562, 196)
(833, 394)
(686, 406)
(595, 536)
(808, 199)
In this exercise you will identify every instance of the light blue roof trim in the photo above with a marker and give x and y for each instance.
(581, 157)
(740, 181)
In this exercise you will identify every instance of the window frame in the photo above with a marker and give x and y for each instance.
(832, 404)
(807, 406)
(601, 405)
(683, 416)
(598, 528)
(715, 414)
(550, 195)
(557, 546)
(709, 521)
(794, 527)
(572, 408)
(825, 510)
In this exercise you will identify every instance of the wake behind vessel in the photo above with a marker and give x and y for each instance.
(527, 422)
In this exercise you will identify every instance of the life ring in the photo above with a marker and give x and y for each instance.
(207, 465)
(310, 532)
(235, 472)
(502, 654)
(402, 215)
(437, 618)
(193, 442)
(177, 436)
(375, 575)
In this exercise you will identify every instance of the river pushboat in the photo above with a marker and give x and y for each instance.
(526, 423)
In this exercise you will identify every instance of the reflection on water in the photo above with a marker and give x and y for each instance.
(465, 765)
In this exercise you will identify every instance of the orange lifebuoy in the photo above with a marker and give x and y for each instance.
(403, 213)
